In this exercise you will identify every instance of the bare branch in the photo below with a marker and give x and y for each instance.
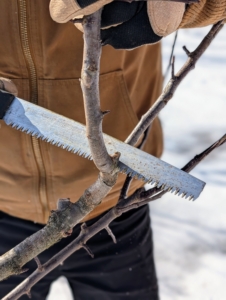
(39, 265)
(172, 85)
(173, 68)
(186, 51)
(109, 231)
(138, 199)
(69, 214)
(23, 271)
(91, 97)
(125, 187)
(129, 179)
(88, 250)
(71, 211)
(171, 55)
(196, 160)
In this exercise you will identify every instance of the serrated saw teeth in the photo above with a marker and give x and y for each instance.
(159, 184)
(176, 192)
(163, 187)
(70, 135)
(180, 193)
(140, 177)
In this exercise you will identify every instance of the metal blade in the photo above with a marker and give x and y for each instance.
(71, 136)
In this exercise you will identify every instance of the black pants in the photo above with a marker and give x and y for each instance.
(118, 271)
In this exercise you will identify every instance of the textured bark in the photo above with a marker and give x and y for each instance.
(139, 198)
(69, 214)
(172, 85)
(91, 97)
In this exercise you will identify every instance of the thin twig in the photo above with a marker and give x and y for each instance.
(172, 85)
(171, 55)
(91, 97)
(129, 179)
(39, 265)
(88, 250)
(68, 214)
(88, 232)
(193, 163)
(109, 231)
(125, 188)
(173, 68)
(156, 193)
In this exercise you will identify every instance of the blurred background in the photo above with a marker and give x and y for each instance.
(190, 237)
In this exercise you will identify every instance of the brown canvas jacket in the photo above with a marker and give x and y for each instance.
(44, 59)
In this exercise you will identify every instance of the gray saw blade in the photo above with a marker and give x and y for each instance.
(71, 136)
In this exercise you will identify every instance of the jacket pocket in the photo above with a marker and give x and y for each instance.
(114, 97)
(65, 97)
(67, 174)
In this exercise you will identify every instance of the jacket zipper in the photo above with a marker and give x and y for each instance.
(34, 99)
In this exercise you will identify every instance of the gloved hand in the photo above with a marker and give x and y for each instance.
(7, 85)
(124, 25)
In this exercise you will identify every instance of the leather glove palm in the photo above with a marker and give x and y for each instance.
(7, 85)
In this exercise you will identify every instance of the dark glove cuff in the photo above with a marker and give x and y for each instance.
(5, 101)
(84, 3)
(132, 34)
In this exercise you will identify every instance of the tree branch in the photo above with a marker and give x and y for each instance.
(69, 214)
(172, 85)
(156, 193)
(91, 97)
(171, 55)
(138, 199)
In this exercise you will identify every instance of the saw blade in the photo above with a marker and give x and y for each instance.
(71, 136)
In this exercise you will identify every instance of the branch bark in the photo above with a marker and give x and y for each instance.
(69, 214)
(91, 97)
(138, 199)
(173, 84)
(57, 227)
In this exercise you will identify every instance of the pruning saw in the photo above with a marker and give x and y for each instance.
(71, 136)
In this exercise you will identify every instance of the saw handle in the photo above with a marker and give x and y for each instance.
(6, 100)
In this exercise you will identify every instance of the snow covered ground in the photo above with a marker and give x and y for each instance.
(190, 237)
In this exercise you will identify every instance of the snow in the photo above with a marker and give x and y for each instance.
(190, 237)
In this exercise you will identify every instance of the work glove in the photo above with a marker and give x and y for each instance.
(7, 85)
(130, 25)
(124, 25)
